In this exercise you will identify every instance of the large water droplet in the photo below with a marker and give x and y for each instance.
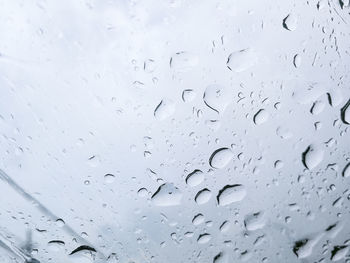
(165, 109)
(339, 252)
(230, 194)
(203, 196)
(312, 156)
(241, 60)
(290, 22)
(198, 219)
(261, 116)
(220, 158)
(221, 258)
(216, 97)
(188, 95)
(345, 113)
(195, 178)
(204, 238)
(346, 170)
(254, 221)
(109, 178)
(167, 195)
(303, 248)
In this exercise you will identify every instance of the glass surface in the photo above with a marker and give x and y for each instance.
(174, 131)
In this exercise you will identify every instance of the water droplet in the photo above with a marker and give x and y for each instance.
(195, 178)
(217, 98)
(94, 161)
(261, 116)
(303, 248)
(60, 222)
(165, 109)
(55, 245)
(317, 107)
(204, 238)
(312, 156)
(225, 226)
(198, 219)
(254, 221)
(339, 252)
(290, 22)
(220, 258)
(284, 133)
(142, 192)
(203, 196)
(183, 61)
(297, 61)
(109, 178)
(346, 171)
(167, 195)
(230, 194)
(220, 158)
(149, 66)
(241, 60)
(345, 113)
(214, 125)
(188, 95)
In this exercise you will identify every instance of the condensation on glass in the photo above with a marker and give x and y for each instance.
(174, 131)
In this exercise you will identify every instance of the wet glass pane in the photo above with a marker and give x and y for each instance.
(174, 131)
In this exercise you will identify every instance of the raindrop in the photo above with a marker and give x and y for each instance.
(261, 116)
(225, 226)
(183, 61)
(220, 158)
(345, 113)
(94, 161)
(198, 219)
(167, 195)
(204, 238)
(149, 65)
(303, 248)
(165, 109)
(290, 22)
(339, 252)
(195, 178)
(241, 60)
(231, 194)
(220, 258)
(297, 61)
(254, 221)
(203, 196)
(217, 98)
(312, 156)
(109, 178)
(188, 95)
(346, 170)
